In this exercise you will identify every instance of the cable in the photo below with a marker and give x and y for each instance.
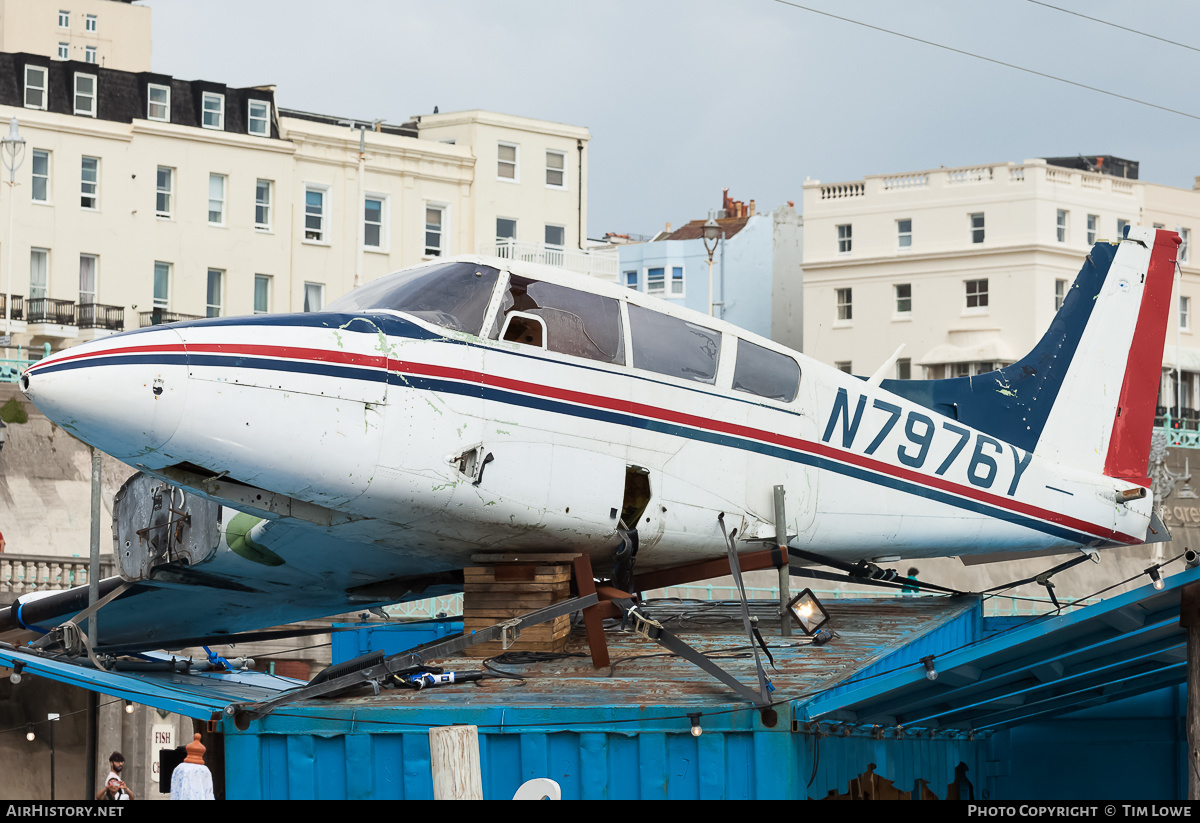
(990, 60)
(1115, 26)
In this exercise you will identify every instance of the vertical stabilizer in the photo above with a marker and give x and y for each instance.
(1104, 413)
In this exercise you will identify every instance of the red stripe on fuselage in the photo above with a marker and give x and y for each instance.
(1129, 446)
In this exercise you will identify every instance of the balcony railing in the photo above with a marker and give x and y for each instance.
(18, 307)
(23, 573)
(602, 263)
(11, 368)
(100, 316)
(157, 317)
(49, 310)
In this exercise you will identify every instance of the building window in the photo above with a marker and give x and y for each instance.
(215, 276)
(259, 122)
(845, 304)
(64, 51)
(1093, 228)
(214, 111)
(556, 169)
(64, 19)
(314, 296)
(262, 293)
(977, 294)
(35, 87)
(677, 281)
(556, 237)
(904, 369)
(89, 188)
(162, 285)
(1060, 293)
(41, 176)
(1061, 225)
(158, 103)
(85, 94)
(87, 279)
(844, 365)
(631, 280)
(904, 233)
(435, 218)
(89, 54)
(844, 238)
(89, 22)
(1121, 226)
(1185, 313)
(1185, 237)
(977, 227)
(506, 167)
(656, 280)
(164, 189)
(262, 205)
(373, 222)
(216, 200)
(39, 273)
(314, 214)
(904, 298)
(506, 229)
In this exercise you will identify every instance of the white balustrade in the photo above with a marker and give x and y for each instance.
(974, 174)
(599, 263)
(839, 190)
(23, 573)
(905, 181)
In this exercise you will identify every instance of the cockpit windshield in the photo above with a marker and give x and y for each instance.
(454, 295)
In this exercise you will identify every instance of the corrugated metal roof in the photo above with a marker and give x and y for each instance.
(1124, 646)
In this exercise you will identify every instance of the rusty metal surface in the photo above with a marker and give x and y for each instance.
(643, 674)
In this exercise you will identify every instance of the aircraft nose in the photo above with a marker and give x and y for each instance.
(122, 394)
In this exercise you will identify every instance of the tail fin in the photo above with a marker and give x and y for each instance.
(1085, 395)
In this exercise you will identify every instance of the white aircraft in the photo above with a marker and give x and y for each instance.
(475, 405)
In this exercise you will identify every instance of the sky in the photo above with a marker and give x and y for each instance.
(684, 98)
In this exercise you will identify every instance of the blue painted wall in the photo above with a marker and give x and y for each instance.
(1132, 749)
(742, 273)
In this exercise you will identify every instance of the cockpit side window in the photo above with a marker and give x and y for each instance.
(765, 373)
(673, 347)
(454, 295)
(572, 322)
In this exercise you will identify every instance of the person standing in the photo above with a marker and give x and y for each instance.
(114, 784)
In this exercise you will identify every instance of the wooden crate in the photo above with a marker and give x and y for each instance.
(501, 588)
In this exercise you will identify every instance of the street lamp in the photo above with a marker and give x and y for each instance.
(711, 236)
(12, 153)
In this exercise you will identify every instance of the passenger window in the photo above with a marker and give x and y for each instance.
(673, 347)
(559, 319)
(765, 373)
(453, 295)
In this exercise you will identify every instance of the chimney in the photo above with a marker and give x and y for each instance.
(668, 228)
(751, 208)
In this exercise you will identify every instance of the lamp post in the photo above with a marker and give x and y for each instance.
(711, 236)
(12, 153)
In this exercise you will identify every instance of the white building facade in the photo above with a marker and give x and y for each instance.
(967, 266)
(141, 198)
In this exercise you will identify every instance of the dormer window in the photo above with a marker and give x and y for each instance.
(35, 87)
(158, 103)
(214, 111)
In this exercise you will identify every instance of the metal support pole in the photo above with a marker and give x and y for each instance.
(93, 622)
(785, 594)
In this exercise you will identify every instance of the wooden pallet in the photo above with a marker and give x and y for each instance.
(506, 586)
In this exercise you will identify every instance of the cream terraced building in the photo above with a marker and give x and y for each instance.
(141, 198)
(967, 266)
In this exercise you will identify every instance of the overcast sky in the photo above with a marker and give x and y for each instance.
(686, 97)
